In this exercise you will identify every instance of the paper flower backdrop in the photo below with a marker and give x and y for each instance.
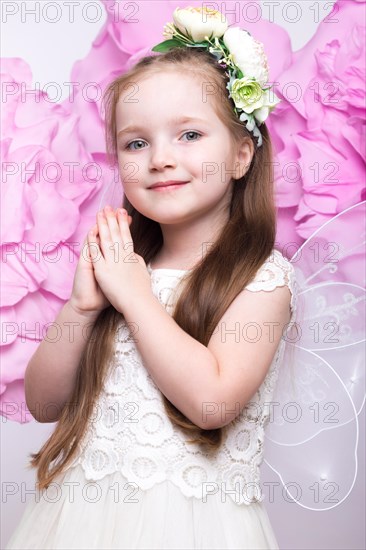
(319, 140)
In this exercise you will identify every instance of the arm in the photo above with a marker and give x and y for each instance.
(51, 371)
(205, 383)
(180, 366)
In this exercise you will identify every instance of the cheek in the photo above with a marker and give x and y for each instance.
(197, 163)
(213, 163)
(130, 173)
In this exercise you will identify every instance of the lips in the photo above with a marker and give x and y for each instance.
(166, 183)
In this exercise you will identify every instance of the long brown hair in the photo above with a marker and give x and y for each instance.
(223, 272)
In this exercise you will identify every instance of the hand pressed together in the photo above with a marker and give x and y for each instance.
(120, 272)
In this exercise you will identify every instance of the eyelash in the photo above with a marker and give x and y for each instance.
(137, 140)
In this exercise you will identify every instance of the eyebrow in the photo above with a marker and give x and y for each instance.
(178, 120)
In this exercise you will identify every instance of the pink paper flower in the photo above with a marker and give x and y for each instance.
(50, 187)
(320, 137)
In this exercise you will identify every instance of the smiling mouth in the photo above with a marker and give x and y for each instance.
(170, 186)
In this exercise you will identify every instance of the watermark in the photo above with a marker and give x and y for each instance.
(117, 412)
(273, 411)
(291, 172)
(68, 11)
(53, 92)
(326, 93)
(321, 252)
(252, 491)
(90, 492)
(53, 172)
(272, 10)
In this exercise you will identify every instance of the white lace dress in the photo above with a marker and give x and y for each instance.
(136, 483)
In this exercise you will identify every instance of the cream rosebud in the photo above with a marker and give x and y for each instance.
(200, 22)
(168, 31)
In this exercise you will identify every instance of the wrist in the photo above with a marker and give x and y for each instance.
(90, 315)
(129, 303)
(137, 303)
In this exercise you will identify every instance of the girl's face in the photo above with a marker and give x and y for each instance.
(162, 148)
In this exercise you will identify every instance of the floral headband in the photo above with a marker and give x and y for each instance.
(236, 50)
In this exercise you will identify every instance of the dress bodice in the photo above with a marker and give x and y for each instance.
(130, 431)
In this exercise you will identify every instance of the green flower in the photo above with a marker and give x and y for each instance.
(247, 94)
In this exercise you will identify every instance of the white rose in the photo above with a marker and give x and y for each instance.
(248, 54)
(262, 113)
(200, 22)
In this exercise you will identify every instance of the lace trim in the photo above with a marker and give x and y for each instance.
(276, 271)
(130, 432)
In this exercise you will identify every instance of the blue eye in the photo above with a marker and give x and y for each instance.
(135, 141)
(192, 132)
(141, 141)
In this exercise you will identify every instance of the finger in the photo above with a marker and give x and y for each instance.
(104, 233)
(95, 230)
(113, 225)
(125, 232)
(85, 246)
(95, 251)
(84, 251)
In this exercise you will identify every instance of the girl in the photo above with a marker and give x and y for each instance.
(179, 304)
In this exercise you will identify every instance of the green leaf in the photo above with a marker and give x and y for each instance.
(166, 45)
(199, 45)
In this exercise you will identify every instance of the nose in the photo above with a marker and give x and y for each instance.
(162, 155)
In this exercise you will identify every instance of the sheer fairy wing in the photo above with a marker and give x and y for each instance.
(112, 195)
(312, 436)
